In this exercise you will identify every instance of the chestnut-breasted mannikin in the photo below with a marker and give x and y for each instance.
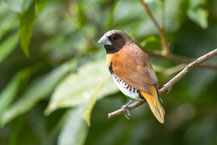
(132, 71)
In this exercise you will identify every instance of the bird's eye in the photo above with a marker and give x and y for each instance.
(115, 37)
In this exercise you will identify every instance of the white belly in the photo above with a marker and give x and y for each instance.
(125, 88)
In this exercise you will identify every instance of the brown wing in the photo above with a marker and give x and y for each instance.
(132, 65)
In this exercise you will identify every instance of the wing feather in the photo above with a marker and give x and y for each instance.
(134, 68)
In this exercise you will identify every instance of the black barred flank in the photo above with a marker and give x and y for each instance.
(110, 68)
(124, 84)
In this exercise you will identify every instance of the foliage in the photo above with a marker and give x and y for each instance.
(55, 87)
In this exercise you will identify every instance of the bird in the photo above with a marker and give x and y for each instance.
(132, 71)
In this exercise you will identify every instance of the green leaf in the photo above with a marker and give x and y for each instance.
(40, 5)
(111, 16)
(74, 131)
(19, 6)
(82, 19)
(196, 3)
(199, 16)
(37, 90)
(152, 43)
(26, 4)
(9, 93)
(9, 21)
(26, 26)
(78, 88)
(8, 46)
(89, 106)
(16, 129)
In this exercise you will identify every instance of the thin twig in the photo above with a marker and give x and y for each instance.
(162, 7)
(180, 59)
(168, 86)
(166, 50)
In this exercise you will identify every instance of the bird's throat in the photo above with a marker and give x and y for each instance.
(110, 49)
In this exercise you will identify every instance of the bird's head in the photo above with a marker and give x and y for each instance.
(114, 40)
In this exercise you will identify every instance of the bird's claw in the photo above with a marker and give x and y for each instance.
(127, 113)
(159, 97)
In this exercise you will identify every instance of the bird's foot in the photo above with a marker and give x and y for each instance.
(127, 114)
(126, 107)
(159, 97)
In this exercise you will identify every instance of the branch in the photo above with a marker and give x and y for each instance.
(166, 50)
(180, 59)
(168, 86)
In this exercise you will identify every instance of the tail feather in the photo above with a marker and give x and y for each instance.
(154, 104)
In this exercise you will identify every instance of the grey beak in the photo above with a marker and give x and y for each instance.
(104, 40)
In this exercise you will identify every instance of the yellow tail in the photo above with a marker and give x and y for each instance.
(154, 104)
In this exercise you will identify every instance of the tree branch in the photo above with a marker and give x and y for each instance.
(168, 86)
(166, 50)
(180, 59)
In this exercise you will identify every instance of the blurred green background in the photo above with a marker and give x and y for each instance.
(55, 87)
